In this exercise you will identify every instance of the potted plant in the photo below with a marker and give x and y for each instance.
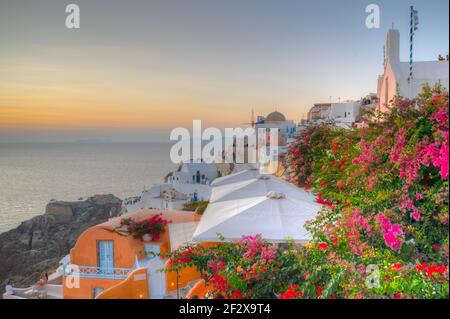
(149, 229)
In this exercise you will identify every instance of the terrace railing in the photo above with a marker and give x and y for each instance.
(97, 272)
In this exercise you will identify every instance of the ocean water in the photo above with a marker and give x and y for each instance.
(31, 174)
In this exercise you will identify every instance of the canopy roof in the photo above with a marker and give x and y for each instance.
(262, 205)
(277, 220)
(244, 186)
(236, 177)
(238, 167)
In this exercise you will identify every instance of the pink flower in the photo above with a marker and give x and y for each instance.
(443, 161)
(368, 155)
(356, 219)
(407, 203)
(394, 237)
(409, 169)
(371, 181)
(268, 253)
(436, 154)
(441, 116)
(396, 152)
(385, 224)
(395, 228)
(354, 241)
(415, 215)
(398, 295)
(397, 266)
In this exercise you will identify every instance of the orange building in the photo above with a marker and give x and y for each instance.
(105, 263)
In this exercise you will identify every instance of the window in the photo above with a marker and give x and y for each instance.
(105, 256)
(197, 179)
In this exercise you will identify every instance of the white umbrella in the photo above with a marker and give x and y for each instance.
(275, 216)
(238, 167)
(258, 186)
(235, 177)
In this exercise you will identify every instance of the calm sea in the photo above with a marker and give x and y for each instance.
(31, 174)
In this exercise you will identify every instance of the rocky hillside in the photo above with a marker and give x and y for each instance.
(38, 244)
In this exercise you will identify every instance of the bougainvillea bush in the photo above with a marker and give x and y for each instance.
(152, 227)
(383, 232)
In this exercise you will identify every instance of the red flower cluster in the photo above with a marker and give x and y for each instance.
(432, 270)
(322, 246)
(292, 293)
(219, 283)
(152, 226)
(436, 247)
(237, 295)
(216, 265)
(185, 256)
(335, 148)
(320, 200)
(319, 291)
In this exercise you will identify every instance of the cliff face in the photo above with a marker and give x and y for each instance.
(38, 244)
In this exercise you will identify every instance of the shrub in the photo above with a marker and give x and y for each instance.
(383, 232)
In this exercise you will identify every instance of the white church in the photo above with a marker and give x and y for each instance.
(396, 73)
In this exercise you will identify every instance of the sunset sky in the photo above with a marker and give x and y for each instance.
(136, 69)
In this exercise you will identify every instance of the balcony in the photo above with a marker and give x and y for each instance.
(97, 272)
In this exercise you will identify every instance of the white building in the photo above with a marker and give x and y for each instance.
(396, 73)
(194, 173)
(319, 113)
(343, 114)
(189, 183)
(286, 128)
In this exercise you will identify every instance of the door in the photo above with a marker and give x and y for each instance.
(156, 277)
(105, 256)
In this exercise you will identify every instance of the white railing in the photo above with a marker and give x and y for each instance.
(98, 272)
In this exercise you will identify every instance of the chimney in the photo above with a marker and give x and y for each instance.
(393, 46)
